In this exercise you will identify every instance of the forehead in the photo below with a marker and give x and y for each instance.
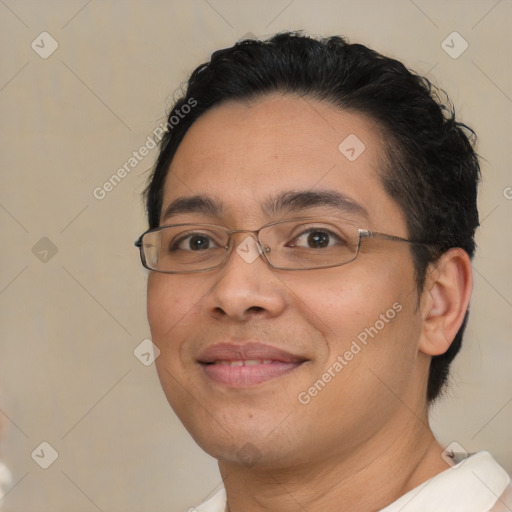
(243, 154)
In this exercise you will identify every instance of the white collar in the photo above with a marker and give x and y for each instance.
(473, 485)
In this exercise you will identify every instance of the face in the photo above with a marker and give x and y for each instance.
(281, 367)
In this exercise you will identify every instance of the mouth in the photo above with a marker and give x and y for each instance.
(246, 365)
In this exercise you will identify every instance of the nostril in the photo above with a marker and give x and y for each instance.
(255, 309)
(218, 312)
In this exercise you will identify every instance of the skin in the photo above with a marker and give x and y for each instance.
(369, 423)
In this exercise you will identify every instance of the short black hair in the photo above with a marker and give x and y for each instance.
(430, 167)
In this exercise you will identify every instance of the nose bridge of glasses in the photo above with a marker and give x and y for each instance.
(253, 233)
(248, 247)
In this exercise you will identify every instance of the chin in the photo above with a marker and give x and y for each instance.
(251, 455)
(253, 448)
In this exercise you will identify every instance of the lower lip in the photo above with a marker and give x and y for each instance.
(245, 376)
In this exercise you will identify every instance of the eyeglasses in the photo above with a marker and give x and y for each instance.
(296, 244)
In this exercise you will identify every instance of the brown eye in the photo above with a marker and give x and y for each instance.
(315, 238)
(192, 242)
(318, 239)
(198, 242)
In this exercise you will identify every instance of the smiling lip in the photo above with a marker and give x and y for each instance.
(248, 364)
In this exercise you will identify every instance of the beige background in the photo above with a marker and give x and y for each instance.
(70, 324)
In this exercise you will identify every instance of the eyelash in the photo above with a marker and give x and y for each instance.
(174, 246)
(320, 230)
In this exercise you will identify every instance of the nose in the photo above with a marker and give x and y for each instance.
(247, 287)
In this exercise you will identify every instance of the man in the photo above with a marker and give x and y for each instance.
(312, 216)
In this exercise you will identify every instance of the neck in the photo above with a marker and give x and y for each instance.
(368, 479)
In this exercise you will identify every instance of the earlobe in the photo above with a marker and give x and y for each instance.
(444, 301)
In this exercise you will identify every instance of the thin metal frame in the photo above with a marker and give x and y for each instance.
(363, 233)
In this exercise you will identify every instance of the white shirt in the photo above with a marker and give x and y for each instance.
(5, 480)
(477, 484)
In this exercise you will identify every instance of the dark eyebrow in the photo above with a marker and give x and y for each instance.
(293, 201)
(285, 202)
(193, 204)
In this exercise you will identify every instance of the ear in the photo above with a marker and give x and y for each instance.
(444, 300)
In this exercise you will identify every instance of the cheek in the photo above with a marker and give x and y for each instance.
(170, 309)
(160, 304)
(170, 300)
(343, 302)
(371, 326)
(373, 307)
